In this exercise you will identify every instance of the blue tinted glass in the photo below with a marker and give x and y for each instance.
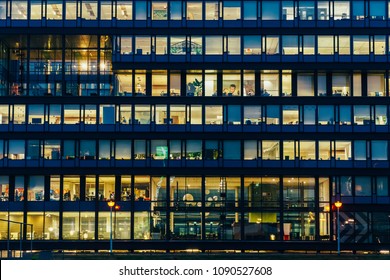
(175, 7)
(360, 150)
(358, 9)
(271, 10)
(140, 10)
(234, 113)
(377, 10)
(250, 10)
(232, 150)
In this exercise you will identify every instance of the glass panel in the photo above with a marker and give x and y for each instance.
(19, 10)
(140, 10)
(123, 149)
(344, 45)
(194, 84)
(376, 85)
(273, 115)
(142, 114)
(106, 188)
(142, 188)
(232, 150)
(36, 219)
(325, 45)
(71, 188)
(175, 10)
(288, 11)
(142, 45)
(250, 10)
(270, 10)
(377, 10)
(271, 45)
(382, 187)
(124, 10)
(87, 225)
(196, 45)
(362, 186)
(178, 114)
(36, 187)
(290, 114)
(19, 114)
(70, 225)
(232, 10)
(52, 227)
(194, 150)
(161, 45)
(362, 115)
(70, 7)
(379, 45)
(307, 150)
(269, 83)
(325, 115)
(249, 83)
(16, 149)
(54, 10)
(252, 115)
(141, 225)
(341, 85)
(379, 150)
(306, 10)
(308, 45)
(4, 188)
(289, 45)
(360, 150)
(214, 115)
(323, 10)
(270, 150)
(89, 10)
(250, 150)
(213, 45)
(234, 45)
(210, 83)
(87, 149)
(212, 10)
(159, 83)
(380, 115)
(343, 150)
(324, 150)
(288, 150)
(194, 10)
(4, 114)
(309, 114)
(341, 10)
(361, 45)
(159, 11)
(231, 84)
(252, 45)
(105, 10)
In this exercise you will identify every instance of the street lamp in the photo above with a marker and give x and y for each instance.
(338, 205)
(111, 204)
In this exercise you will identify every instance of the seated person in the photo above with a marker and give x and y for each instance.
(225, 92)
(251, 92)
(232, 90)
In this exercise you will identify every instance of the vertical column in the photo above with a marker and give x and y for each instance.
(317, 208)
(281, 208)
(241, 209)
(364, 83)
(132, 209)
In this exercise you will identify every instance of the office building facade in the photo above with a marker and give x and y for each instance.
(213, 125)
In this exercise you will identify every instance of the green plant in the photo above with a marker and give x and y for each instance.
(198, 87)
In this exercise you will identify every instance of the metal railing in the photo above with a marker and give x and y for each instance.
(20, 236)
